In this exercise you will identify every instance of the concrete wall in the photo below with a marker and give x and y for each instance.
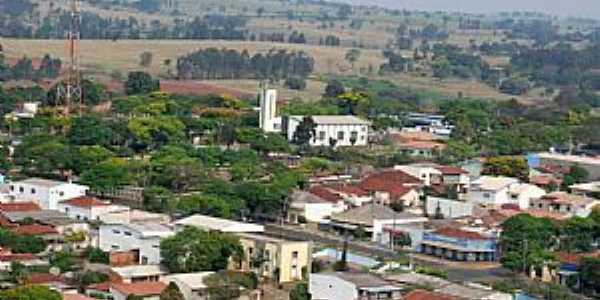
(327, 287)
(120, 238)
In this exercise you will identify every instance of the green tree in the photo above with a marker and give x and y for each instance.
(107, 176)
(86, 157)
(140, 83)
(62, 260)
(300, 292)
(305, 131)
(153, 132)
(577, 234)
(577, 174)
(194, 250)
(509, 166)
(441, 68)
(334, 88)
(90, 130)
(18, 273)
(96, 255)
(590, 274)
(91, 277)
(352, 56)
(158, 199)
(30, 292)
(527, 241)
(172, 292)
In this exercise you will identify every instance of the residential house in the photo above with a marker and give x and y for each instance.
(434, 175)
(46, 193)
(589, 189)
(123, 214)
(75, 296)
(143, 290)
(309, 207)
(351, 286)
(567, 272)
(98, 290)
(52, 281)
(137, 273)
(491, 191)
(590, 164)
(218, 224)
(344, 131)
(87, 208)
(191, 285)
(372, 218)
(27, 259)
(140, 238)
(61, 232)
(422, 149)
(564, 203)
(459, 244)
(281, 260)
(392, 186)
(351, 193)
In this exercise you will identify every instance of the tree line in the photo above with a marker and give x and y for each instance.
(213, 63)
(24, 69)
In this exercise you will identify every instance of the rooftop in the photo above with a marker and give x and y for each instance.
(19, 206)
(264, 238)
(568, 199)
(35, 229)
(588, 160)
(192, 280)
(85, 202)
(148, 229)
(219, 224)
(67, 296)
(366, 214)
(38, 215)
(363, 280)
(325, 193)
(147, 288)
(460, 233)
(349, 189)
(306, 197)
(492, 183)
(590, 187)
(47, 183)
(385, 180)
(451, 170)
(139, 271)
(336, 120)
(43, 278)
(426, 295)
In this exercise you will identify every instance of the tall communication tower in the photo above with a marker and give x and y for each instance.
(70, 91)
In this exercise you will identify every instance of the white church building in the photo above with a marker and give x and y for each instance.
(344, 130)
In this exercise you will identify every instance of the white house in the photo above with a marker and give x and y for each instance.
(137, 273)
(350, 286)
(564, 203)
(191, 285)
(142, 237)
(310, 207)
(495, 191)
(46, 193)
(425, 172)
(451, 209)
(87, 208)
(344, 130)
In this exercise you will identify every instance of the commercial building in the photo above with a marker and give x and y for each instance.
(88, 208)
(461, 245)
(46, 193)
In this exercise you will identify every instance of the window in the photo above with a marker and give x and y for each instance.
(340, 135)
(321, 135)
(21, 189)
(127, 233)
(116, 231)
(114, 247)
(61, 193)
(354, 135)
(486, 195)
(33, 191)
(364, 128)
(155, 246)
(12, 188)
(295, 254)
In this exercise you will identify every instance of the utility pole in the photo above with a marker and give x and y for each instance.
(70, 91)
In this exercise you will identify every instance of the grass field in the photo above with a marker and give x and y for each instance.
(102, 56)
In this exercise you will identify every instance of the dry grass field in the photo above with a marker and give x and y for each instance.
(103, 56)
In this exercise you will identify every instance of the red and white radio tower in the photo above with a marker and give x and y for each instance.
(70, 92)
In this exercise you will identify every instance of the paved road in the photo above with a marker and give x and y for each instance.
(298, 234)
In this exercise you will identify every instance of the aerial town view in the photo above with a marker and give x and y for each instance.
(299, 149)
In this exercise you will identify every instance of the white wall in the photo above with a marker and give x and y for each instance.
(449, 208)
(87, 213)
(331, 131)
(46, 198)
(488, 197)
(316, 212)
(115, 238)
(327, 287)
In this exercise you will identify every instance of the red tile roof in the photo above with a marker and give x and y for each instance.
(324, 193)
(103, 286)
(459, 233)
(76, 297)
(19, 206)
(42, 278)
(350, 190)
(17, 257)
(575, 258)
(85, 202)
(394, 182)
(140, 288)
(426, 295)
(544, 180)
(35, 229)
(451, 170)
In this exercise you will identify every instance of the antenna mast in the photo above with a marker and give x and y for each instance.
(70, 91)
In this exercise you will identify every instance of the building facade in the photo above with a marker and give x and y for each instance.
(144, 239)
(460, 245)
(46, 193)
(344, 131)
